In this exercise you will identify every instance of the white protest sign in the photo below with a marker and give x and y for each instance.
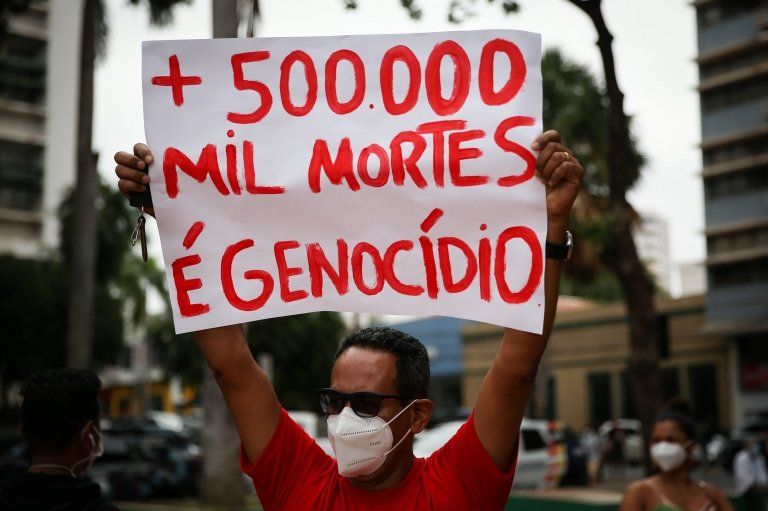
(387, 174)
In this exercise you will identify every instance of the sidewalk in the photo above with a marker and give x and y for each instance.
(179, 505)
(577, 499)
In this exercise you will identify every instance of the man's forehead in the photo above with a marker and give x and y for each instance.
(365, 370)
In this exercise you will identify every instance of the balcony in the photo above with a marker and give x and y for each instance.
(734, 77)
(750, 115)
(737, 309)
(736, 29)
(735, 138)
(738, 256)
(737, 165)
(736, 207)
(725, 53)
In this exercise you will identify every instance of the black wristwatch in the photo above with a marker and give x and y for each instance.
(561, 252)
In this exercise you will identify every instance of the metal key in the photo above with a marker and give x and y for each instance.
(139, 233)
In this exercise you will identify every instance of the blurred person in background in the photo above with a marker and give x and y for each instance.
(590, 442)
(60, 424)
(613, 462)
(751, 476)
(672, 488)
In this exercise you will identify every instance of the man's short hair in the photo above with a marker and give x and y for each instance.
(56, 405)
(412, 380)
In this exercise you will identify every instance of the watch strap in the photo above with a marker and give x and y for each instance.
(560, 252)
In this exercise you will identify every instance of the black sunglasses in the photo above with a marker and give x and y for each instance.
(364, 404)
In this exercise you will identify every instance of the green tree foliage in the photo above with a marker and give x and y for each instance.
(301, 347)
(575, 104)
(34, 292)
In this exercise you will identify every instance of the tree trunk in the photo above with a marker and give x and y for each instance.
(225, 19)
(83, 270)
(222, 482)
(623, 260)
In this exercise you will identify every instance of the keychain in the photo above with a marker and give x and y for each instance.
(140, 233)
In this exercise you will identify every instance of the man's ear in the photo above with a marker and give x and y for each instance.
(87, 432)
(422, 412)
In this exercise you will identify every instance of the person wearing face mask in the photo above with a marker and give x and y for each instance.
(60, 424)
(377, 398)
(751, 475)
(673, 489)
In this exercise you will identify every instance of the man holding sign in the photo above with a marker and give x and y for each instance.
(244, 245)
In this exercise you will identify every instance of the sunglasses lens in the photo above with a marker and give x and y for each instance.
(366, 405)
(332, 402)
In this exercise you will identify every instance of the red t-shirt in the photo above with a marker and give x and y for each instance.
(294, 473)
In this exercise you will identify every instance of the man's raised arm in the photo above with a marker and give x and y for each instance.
(507, 386)
(247, 390)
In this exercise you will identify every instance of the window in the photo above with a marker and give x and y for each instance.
(702, 382)
(753, 362)
(739, 274)
(736, 183)
(735, 94)
(551, 399)
(732, 63)
(600, 397)
(22, 69)
(722, 10)
(757, 146)
(670, 388)
(750, 238)
(532, 440)
(627, 396)
(21, 176)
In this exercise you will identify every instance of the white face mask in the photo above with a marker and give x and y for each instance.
(361, 444)
(668, 455)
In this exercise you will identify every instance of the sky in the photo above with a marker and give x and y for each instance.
(654, 45)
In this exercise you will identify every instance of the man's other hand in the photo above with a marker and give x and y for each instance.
(131, 169)
(561, 172)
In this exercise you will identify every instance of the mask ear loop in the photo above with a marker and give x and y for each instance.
(400, 413)
(93, 454)
(405, 435)
(98, 450)
(51, 465)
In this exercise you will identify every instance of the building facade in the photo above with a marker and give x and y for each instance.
(583, 379)
(39, 62)
(733, 87)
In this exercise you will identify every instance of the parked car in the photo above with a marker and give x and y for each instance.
(534, 458)
(143, 460)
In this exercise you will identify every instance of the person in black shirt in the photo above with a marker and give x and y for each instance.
(60, 423)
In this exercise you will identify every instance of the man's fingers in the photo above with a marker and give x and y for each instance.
(545, 138)
(560, 172)
(129, 160)
(556, 161)
(552, 151)
(143, 152)
(126, 186)
(130, 174)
